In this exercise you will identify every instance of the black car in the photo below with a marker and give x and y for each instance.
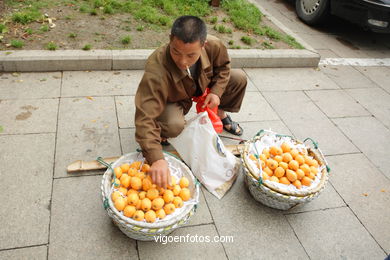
(371, 14)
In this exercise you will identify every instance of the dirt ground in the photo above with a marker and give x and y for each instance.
(105, 31)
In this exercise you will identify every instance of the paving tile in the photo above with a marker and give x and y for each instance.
(254, 108)
(125, 107)
(202, 215)
(337, 103)
(329, 198)
(347, 77)
(334, 234)
(184, 250)
(87, 134)
(29, 253)
(366, 191)
(81, 228)
(26, 166)
(100, 83)
(29, 116)
(256, 229)
(304, 119)
(375, 100)
(380, 75)
(278, 79)
(250, 86)
(371, 137)
(128, 143)
(30, 85)
(327, 54)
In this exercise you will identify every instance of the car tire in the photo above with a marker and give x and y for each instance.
(312, 12)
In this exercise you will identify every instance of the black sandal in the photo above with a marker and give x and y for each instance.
(234, 125)
(165, 142)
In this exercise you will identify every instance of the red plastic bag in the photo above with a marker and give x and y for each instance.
(215, 120)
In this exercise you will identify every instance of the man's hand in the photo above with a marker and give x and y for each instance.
(211, 101)
(159, 172)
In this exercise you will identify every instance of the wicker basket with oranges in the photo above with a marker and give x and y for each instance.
(282, 172)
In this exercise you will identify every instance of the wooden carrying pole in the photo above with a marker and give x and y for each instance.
(81, 166)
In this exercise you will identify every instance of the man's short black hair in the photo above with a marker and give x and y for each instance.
(189, 29)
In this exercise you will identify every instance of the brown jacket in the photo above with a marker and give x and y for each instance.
(163, 82)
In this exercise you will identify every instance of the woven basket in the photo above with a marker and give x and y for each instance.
(142, 230)
(273, 196)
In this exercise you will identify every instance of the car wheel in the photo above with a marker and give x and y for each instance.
(312, 11)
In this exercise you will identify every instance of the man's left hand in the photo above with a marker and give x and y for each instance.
(211, 101)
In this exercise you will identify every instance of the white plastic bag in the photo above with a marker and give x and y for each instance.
(203, 151)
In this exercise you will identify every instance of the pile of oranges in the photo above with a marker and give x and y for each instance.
(287, 165)
(137, 197)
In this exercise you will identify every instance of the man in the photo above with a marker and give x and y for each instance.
(176, 72)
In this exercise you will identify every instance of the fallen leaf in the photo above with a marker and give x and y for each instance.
(43, 79)
(117, 73)
(1, 129)
(105, 126)
(56, 77)
(15, 74)
(90, 98)
(93, 121)
(365, 194)
(383, 190)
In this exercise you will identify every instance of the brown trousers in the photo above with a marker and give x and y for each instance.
(172, 121)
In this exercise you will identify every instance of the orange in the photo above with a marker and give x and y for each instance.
(268, 171)
(131, 191)
(145, 167)
(125, 180)
(274, 178)
(272, 164)
(305, 168)
(123, 190)
(142, 195)
(284, 180)
(184, 182)
(176, 190)
(294, 152)
(116, 194)
(125, 167)
(314, 163)
(279, 172)
(146, 184)
(129, 211)
(132, 172)
(135, 165)
(146, 204)
(278, 158)
(299, 158)
(157, 203)
(117, 183)
(287, 157)
(120, 203)
(161, 191)
(283, 165)
(285, 147)
(275, 150)
(133, 199)
(262, 164)
(314, 170)
(168, 196)
(291, 175)
(312, 176)
(185, 194)
(140, 175)
(152, 194)
(139, 215)
(173, 181)
(266, 153)
(297, 184)
(150, 216)
(118, 172)
(139, 204)
(160, 213)
(306, 181)
(293, 165)
(169, 208)
(135, 183)
(178, 202)
(263, 157)
(265, 176)
(300, 174)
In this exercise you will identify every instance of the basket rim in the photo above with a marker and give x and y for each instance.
(114, 213)
(317, 156)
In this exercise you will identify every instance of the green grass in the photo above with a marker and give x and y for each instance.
(3, 28)
(17, 43)
(140, 28)
(44, 28)
(267, 45)
(26, 17)
(72, 35)
(87, 47)
(214, 20)
(29, 31)
(231, 42)
(93, 12)
(126, 39)
(248, 40)
(52, 46)
(245, 16)
(222, 29)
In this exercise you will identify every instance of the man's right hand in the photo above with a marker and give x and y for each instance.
(159, 172)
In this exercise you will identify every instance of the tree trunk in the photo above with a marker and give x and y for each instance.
(215, 3)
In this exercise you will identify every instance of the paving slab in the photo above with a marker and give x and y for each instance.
(279, 79)
(371, 137)
(26, 166)
(100, 83)
(327, 54)
(29, 253)
(128, 143)
(375, 100)
(202, 215)
(305, 119)
(250, 86)
(29, 116)
(337, 103)
(347, 77)
(258, 231)
(380, 75)
(125, 107)
(367, 193)
(80, 227)
(185, 250)
(30, 85)
(334, 234)
(86, 129)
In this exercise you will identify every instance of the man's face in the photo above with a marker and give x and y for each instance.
(184, 54)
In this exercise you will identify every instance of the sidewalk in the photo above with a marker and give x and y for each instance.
(51, 119)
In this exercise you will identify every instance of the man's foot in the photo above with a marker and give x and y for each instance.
(232, 127)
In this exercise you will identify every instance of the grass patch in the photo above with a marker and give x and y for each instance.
(126, 39)
(51, 46)
(213, 20)
(231, 42)
(44, 28)
(222, 29)
(72, 35)
(140, 28)
(248, 40)
(26, 17)
(267, 45)
(87, 47)
(3, 28)
(17, 44)
(244, 15)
